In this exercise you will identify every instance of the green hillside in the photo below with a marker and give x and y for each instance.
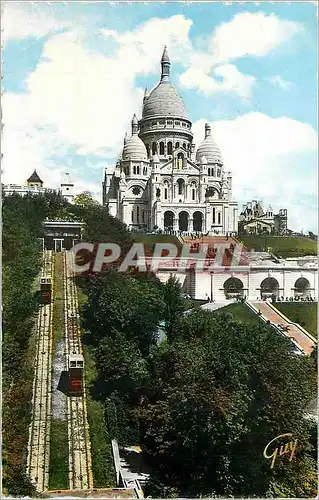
(283, 246)
(303, 313)
(240, 312)
(150, 239)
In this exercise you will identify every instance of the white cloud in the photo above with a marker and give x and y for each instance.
(247, 34)
(278, 81)
(250, 34)
(266, 156)
(24, 20)
(81, 99)
(85, 100)
(232, 81)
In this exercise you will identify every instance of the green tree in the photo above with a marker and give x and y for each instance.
(219, 392)
(123, 303)
(174, 305)
(86, 201)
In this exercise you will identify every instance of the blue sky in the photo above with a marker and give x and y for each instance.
(74, 74)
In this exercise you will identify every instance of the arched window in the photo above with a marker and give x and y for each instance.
(193, 193)
(184, 145)
(138, 170)
(165, 193)
(218, 217)
(134, 169)
(180, 184)
(169, 148)
(161, 148)
(154, 148)
(214, 215)
(177, 145)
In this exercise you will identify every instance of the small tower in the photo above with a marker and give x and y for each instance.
(146, 94)
(34, 180)
(165, 63)
(67, 188)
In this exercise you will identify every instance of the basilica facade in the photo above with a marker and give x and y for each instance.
(160, 180)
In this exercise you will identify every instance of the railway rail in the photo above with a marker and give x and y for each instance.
(80, 463)
(38, 457)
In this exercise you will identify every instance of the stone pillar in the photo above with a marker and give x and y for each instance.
(226, 220)
(175, 224)
(191, 225)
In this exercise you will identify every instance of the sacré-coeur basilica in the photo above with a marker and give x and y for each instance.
(161, 181)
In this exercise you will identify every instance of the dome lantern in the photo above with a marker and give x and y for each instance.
(165, 63)
(208, 130)
(134, 125)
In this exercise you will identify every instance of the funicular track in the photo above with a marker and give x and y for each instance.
(38, 457)
(80, 465)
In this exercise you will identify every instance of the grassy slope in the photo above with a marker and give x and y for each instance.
(281, 245)
(150, 239)
(59, 449)
(240, 312)
(102, 460)
(302, 313)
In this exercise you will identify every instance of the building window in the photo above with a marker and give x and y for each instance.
(154, 148)
(218, 217)
(169, 148)
(165, 193)
(169, 122)
(214, 215)
(161, 148)
(184, 145)
(177, 145)
(193, 193)
(148, 149)
(154, 124)
(180, 184)
(133, 215)
(177, 123)
(138, 170)
(137, 214)
(218, 173)
(183, 124)
(134, 169)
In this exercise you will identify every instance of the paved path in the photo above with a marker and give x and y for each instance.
(213, 306)
(305, 342)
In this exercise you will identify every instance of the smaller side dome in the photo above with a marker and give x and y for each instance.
(134, 148)
(209, 148)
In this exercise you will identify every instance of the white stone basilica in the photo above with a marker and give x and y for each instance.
(159, 182)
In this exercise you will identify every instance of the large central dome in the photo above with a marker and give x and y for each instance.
(164, 100)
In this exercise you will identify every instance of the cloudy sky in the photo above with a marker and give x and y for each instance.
(75, 73)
